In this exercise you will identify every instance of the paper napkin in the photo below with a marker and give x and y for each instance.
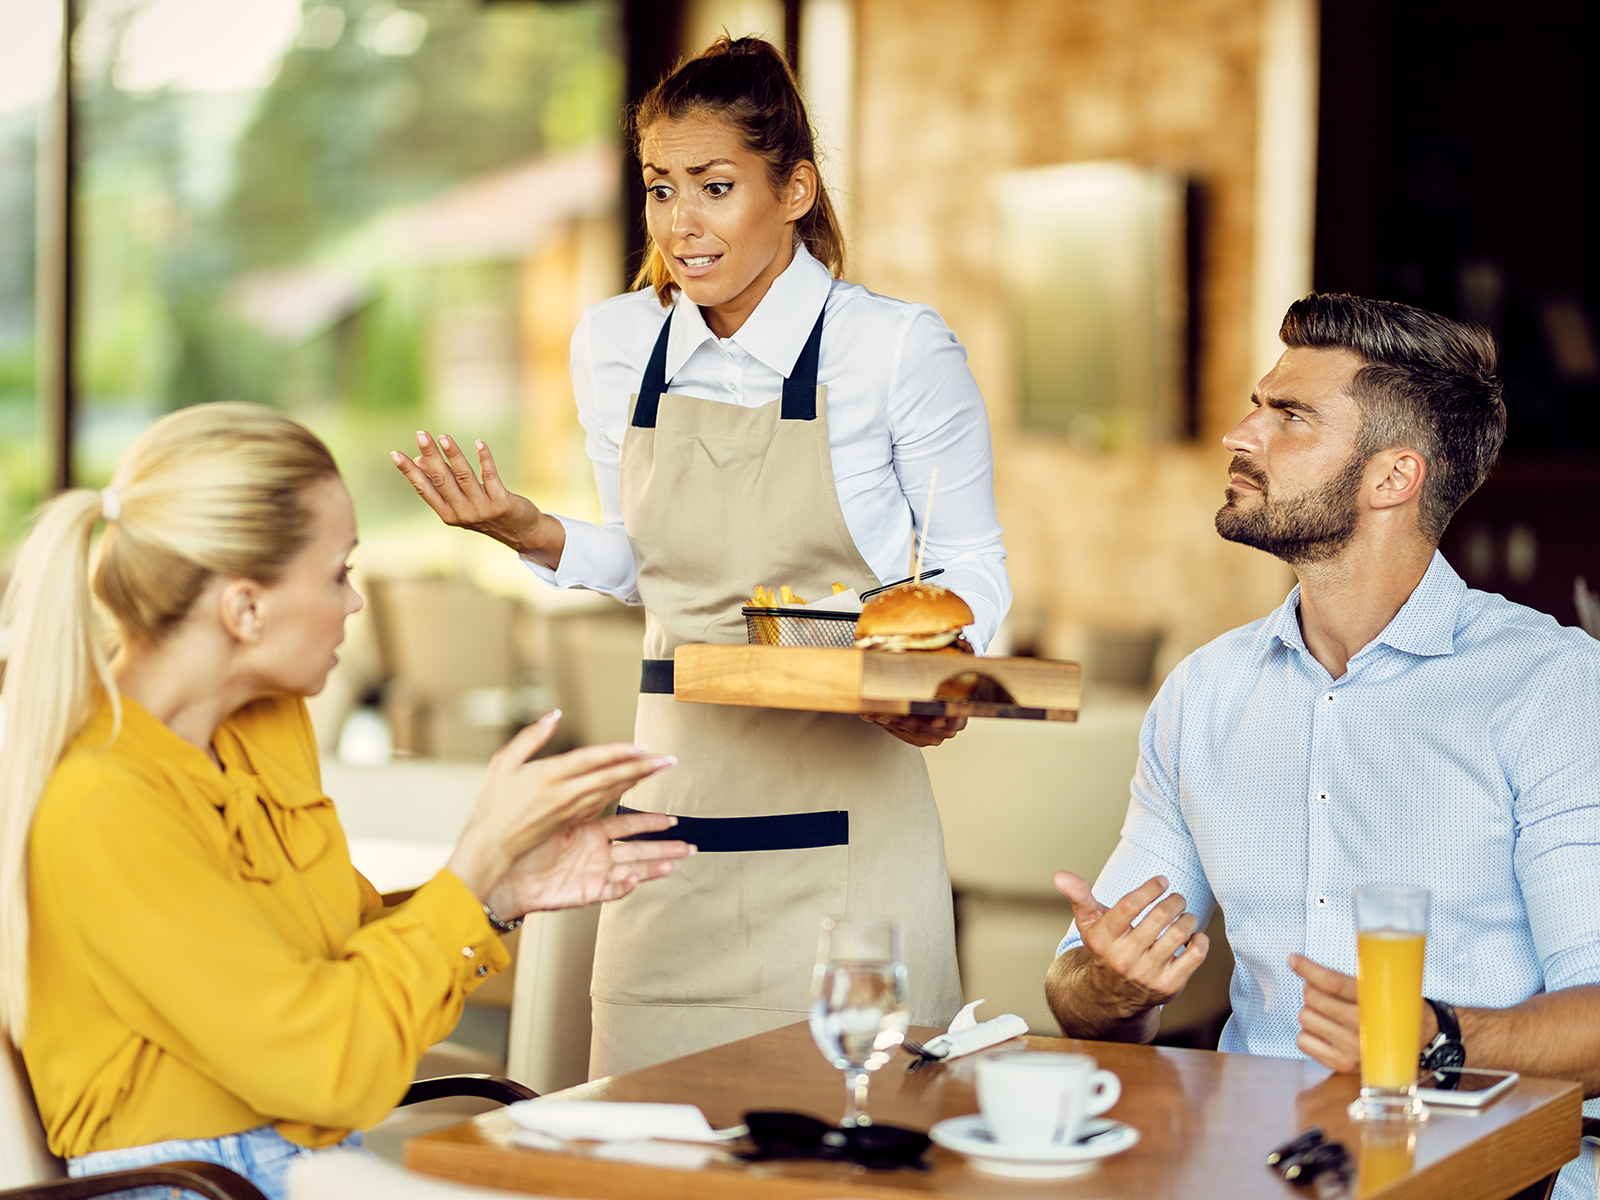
(846, 601)
(609, 1121)
(967, 1034)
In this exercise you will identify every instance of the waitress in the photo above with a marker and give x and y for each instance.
(753, 419)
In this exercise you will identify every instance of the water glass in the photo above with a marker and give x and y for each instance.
(1391, 940)
(859, 1004)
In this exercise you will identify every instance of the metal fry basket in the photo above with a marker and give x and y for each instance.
(798, 627)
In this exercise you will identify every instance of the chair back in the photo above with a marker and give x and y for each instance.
(549, 1042)
(24, 1157)
(1021, 800)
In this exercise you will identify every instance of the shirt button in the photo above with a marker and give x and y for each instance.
(1323, 796)
(1322, 902)
(483, 969)
(1329, 697)
(467, 952)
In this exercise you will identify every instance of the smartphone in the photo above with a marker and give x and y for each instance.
(1464, 1087)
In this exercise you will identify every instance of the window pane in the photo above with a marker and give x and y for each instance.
(377, 217)
(29, 34)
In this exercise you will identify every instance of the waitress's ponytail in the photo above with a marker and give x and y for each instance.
(213, 489)
(746, 83)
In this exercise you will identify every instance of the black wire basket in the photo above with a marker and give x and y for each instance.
(799, 627)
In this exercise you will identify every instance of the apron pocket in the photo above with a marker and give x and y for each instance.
(730, 927)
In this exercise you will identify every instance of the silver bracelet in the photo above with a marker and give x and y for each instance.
(499, 925)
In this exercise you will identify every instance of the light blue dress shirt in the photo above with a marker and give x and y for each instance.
(1459, 751)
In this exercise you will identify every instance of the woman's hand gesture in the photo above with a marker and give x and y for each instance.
(526, 801)
(585, 864)
(445, 480)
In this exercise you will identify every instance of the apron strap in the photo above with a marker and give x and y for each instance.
(655, 381)
(656, 677)
(799, 390)
(742, 835)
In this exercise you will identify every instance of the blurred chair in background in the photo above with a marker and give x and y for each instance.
(454, 672)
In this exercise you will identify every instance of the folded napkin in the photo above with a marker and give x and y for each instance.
(608, 1121)
(966, 1034)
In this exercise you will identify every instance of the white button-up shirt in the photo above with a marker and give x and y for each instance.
(901, 402)
(1459, 751)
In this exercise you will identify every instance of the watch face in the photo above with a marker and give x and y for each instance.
(1445, 1054)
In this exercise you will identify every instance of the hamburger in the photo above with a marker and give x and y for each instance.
(914, 616)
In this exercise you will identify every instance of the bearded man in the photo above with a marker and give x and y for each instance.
(1386, 724)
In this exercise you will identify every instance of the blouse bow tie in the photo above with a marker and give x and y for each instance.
(264, 829)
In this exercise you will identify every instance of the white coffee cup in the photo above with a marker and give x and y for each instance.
(1040, 1098)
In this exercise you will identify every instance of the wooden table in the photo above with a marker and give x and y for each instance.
(1207, 1121)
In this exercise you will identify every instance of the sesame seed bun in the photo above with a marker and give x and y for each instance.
(913, 616)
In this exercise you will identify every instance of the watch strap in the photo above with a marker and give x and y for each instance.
(1449, 1024)
(1445, 1050)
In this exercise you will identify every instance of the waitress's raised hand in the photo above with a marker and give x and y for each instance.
(445, 480)
(525, 801)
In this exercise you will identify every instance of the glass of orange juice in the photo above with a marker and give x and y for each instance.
(1391, 935)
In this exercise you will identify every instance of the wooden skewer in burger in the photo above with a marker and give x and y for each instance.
(921, 617)
(916, 615)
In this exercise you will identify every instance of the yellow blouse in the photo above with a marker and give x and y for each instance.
(204, 958)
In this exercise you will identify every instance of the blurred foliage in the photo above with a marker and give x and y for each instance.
(344, 132)
(181, 194)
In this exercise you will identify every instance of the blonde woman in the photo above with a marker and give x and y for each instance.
(188, 961)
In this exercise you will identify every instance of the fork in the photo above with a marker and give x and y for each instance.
(922, 1059)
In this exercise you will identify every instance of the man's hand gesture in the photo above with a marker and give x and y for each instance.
(1133, 965)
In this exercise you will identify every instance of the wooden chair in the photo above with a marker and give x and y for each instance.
(28, 1171)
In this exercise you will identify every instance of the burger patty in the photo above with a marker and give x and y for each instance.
(898, 642)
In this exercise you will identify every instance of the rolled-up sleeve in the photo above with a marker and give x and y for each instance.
(1155, 838)
(1555, 778)
(937, 421)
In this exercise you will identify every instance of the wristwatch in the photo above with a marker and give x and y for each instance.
(1446, 1049)
(499, 925)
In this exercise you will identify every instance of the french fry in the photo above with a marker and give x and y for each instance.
(789, 598)
(839, 587)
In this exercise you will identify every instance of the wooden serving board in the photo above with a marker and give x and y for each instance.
(871, 681)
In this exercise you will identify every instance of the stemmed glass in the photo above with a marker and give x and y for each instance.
(859, 1005)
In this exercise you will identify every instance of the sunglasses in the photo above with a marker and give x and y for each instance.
(1306, 1156)
(795, 1135)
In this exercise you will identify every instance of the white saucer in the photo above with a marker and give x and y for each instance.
(1101, 1138)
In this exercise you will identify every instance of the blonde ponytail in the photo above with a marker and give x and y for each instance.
(216, 489)
(58, 658)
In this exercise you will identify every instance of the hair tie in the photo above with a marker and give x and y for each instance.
(110, 504)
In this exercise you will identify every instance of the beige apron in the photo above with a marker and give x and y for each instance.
(797, 815)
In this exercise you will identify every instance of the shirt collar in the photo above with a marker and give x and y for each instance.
(774, 333)
(1426, 622)
(1424, 626)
